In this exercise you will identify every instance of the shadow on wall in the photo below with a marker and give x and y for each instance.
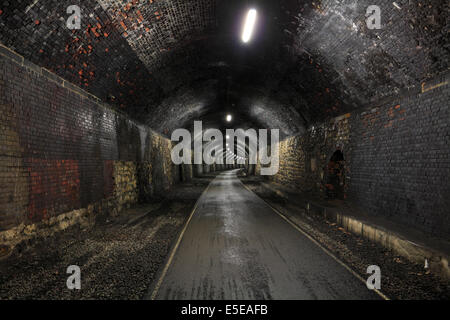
(159, 171)
(335, 177)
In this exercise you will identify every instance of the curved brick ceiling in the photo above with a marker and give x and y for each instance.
(169, 62)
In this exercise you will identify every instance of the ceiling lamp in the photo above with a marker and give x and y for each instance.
(249, 25)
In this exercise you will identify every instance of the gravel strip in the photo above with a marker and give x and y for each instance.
(118, 258)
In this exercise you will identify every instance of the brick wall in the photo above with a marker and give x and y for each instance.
(400, 165)
(397, 158)
(61, 149)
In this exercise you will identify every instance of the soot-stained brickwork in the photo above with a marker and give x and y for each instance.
(62, 150)
(170, 62)
(396, 159)
(96, 57)
(335, 46)
(121, 51)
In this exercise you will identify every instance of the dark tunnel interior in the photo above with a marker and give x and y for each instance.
(92, 92)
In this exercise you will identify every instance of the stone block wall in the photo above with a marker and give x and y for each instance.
(125, 183)
(291, 163)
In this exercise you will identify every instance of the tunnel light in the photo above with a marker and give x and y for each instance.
(229, 118)
(249, 25)
(228, 137)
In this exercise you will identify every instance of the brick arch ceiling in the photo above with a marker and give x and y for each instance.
(169, 62)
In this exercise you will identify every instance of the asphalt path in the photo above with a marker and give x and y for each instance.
(237, 247)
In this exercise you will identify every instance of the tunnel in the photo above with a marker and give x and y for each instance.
(224, 150)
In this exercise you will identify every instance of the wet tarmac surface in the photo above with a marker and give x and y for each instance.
(237, 247)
